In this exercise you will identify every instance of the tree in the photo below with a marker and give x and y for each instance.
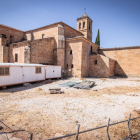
(97, 41)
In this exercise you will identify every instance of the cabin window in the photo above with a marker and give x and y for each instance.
(38, 70)
(16, 57)
(95, 62)
(4, 70)
(89, 26)
(71, 65)
(43, 36)
(11, 39)
(71, 52)
(83, 24)
(79, 25)
(91, 50)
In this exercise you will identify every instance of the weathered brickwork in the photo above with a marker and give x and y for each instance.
(101, 66)
(75, 48)
(6, 54)
(127, 60)
(42, 51)
(18, 48)
(16, 34)
(86, 50)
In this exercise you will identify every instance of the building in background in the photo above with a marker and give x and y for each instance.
(60, 44)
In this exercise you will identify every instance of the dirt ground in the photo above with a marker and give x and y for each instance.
(47, 115)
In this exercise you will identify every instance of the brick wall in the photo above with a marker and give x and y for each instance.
(75, 58)
(127, 60)
(8, 31)
(42, 51)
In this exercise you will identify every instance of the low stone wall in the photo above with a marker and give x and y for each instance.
(127, 60)
(101, 66)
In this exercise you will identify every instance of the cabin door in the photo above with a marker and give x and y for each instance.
(25, 74)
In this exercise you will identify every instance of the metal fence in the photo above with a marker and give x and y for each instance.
(79, 132)
(107, 126)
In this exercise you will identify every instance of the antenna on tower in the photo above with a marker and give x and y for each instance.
(85, 11)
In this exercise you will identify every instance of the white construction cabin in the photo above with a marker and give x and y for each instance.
(16, 73)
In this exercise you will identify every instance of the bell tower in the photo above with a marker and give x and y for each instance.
(84, 25)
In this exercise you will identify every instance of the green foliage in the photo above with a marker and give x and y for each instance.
(97, 41)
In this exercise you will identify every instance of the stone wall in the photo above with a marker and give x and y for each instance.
(86, 50)
(61, 46)
(73, 59)
(127, 60)
(48, 31)
(27, 54)
(18, 48)
(6, 54)
(42, 51)
(1, 51)
(98, 66)
(9, 31)
(111, 67)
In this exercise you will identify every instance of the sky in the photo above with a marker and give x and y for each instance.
(117, 20)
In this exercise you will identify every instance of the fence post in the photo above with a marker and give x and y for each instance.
(77, 132)
(107, 129)
(129, 127)
(31, 136)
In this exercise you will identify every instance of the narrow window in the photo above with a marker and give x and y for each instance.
(89, 26)
(1, 70)
(38, 70)
(71, 65)
(83, 24)
(16, 57)
(67, 65)
(11, 39)
(91, 50)
(4, 70)
(79, 25)
(95, 62)
(43, 36)
(71, 52)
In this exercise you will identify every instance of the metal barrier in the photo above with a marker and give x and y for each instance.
(11, 131)
(77, 133)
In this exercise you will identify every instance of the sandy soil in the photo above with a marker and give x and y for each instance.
(49, 115)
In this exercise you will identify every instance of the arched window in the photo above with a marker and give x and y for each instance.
(91, 49)
(89, 26)
(83, 24)
(71, 52)
(11, 39)
(79, 25)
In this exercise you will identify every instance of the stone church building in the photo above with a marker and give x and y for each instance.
(60, 44)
